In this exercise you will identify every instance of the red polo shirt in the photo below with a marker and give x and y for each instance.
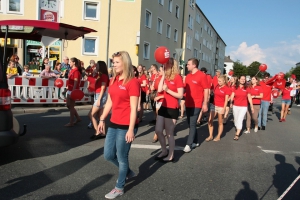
(241, 97)
(220, 94)
(195, 85)
(170, 101)
(141, 79)
(256, 91)
(286, 93)
(267, 90)
(103, 79)
(120, 96)
(74, 74)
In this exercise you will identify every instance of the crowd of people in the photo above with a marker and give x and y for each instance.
(126, 91)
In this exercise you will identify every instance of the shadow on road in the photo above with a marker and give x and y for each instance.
(30, 183)
(285, 174)
(246, 193)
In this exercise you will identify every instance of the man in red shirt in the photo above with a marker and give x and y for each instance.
(215, 79)
(196, 99)
(265, 102)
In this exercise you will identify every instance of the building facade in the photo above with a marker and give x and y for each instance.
(136, 26)
(228, 64)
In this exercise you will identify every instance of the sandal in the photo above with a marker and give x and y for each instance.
(77, 121)
(180, 117)
(69, 125)
(209, 139)
(216, 139)
(236, 137)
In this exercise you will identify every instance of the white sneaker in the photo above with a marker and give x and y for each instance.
(194, 145)
(187, 149)
(246, 131)
(298, 105)
(255, 130)
(90, 126)
(114, 194)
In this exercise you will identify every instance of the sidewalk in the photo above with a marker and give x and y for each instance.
(40, 108)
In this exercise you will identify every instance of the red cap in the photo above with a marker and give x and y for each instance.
(293, 76)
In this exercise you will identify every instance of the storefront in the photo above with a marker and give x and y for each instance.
(12, 46)
(34, 54)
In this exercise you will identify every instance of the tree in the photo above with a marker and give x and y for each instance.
(296, 71)
(253, 68)
(288, 74)
(239, 69)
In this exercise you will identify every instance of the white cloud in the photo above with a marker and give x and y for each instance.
(278, 58)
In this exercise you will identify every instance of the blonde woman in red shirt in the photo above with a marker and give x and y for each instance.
(239, 97)
(256, 93)
(122, 101)
(221, 96)
(172, 85)
(73, 83)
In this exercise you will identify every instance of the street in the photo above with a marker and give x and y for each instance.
(56, 162)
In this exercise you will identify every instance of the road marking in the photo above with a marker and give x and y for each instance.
(145, 146)
(271, 151)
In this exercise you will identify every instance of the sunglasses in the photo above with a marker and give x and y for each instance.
(117, 54)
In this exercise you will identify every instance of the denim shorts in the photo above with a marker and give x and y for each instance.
(102, 101)
(286, 101)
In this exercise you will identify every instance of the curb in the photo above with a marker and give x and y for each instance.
(22, 110)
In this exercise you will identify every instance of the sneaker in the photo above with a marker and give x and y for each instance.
(298, 105)
(246, 131)
(90, 126)
(194, 145)
(255, 130)
(187, 149)
(263, 128)
(114, 193)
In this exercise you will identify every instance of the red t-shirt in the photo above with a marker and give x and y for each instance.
(209, 80)
(267, 90)
(195, 85)
(120, 97)
(256, 91)
(240, 97)
(92, 82)
(279, 84)
(170, 101)
(74, 74)
(286, 93)
(103, 79)
(220, 94)
(141, 80)
(214, 82)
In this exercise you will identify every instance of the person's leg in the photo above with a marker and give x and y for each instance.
(248, 120)
(265, 107)
(192, 114)
(285, 111)
(159, 128)
(169, 128)
(259, 115)
(255, 116)
(94, 117)
(182, 105)
(226, 115)
(110, 148)
(220, 127)
(210, 125)
(239, 114)
(153, 106)
(282, 110)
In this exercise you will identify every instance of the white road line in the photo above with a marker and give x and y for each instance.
(145, 146)
(271, 151)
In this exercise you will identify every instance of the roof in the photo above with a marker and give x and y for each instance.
(227, 59)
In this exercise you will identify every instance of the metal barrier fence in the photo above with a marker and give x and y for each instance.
(36, 90)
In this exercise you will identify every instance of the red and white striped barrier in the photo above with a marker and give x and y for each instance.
(36, 90)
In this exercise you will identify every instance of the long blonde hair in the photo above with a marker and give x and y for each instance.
(224, 77)
(171, 72)
(127, 66)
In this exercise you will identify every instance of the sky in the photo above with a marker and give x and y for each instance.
(267, 31)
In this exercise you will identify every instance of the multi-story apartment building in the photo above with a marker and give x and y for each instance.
(136, 26)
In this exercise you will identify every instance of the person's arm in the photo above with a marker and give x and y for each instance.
(161, 82)
(226, 101)
(43, 75)
(205, 100)
(250, 102)
(129, 137)
(261, 95)
(144, 83)
(231, 98)
(178, 94)
(107, 108)
(103, 88)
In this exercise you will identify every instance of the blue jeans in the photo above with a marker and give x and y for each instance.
(116, 150)
(192, 116)
(263, 113)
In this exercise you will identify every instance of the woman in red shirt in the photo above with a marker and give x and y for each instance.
(100, 96)
(172, 86)
(143, 82)
(122, 101)
(221, 96)
(231, 84)
(73, 83)
(286, 101)
(239, 96)
(256, 93)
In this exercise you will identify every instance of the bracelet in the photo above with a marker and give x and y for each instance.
(103, 120)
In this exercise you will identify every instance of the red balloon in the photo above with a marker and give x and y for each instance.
(77, 95)
(275, 93)
(263, 67)
(230, 73)
(58, 83)
(162, 55)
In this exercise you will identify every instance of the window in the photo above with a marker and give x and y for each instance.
(159, 25)
(190, 22)
(192, 4)
(1, 7)
(168, 31)
(170, 5)
(90, 46)
(197, 35)
(14, 6)
(91, 10)
(205, 27)
(177, 11)
(148, 19)
(198, 18)
(146, 54)
(175, 35)
(195, 53)
(200, 46)
(161, 2)
(189, 42)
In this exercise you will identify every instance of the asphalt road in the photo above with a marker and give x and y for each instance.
(55, 162)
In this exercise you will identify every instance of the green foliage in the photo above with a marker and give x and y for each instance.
(296, 71)
(253, 68)
(239, 69)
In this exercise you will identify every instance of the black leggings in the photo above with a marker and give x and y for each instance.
(292, 100)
